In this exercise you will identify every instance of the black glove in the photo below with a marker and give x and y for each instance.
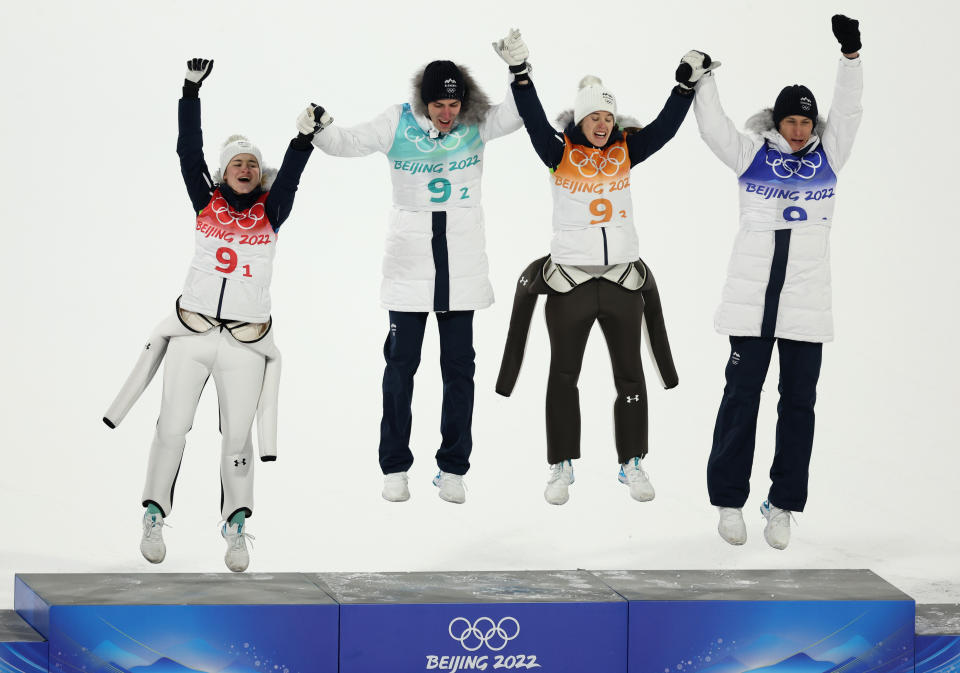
(693, 66)
(198, 69)
(847, 32)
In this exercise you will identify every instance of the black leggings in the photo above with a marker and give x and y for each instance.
(570, 317)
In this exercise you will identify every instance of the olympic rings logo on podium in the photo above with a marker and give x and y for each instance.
(609, 164)
(484, 631)
(804, 168)
(245, 220)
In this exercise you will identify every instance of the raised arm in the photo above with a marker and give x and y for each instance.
(547, 141)
(196, 176)
(657, 133)
(845, 108)
(280, 199)
(733, 148)
(363, 139)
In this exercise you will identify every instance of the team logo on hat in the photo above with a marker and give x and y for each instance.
(451, 85)
(805, 103)
(608, 98)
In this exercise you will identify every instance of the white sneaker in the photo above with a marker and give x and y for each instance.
(451, 487)
(558, 486)
(731, 526)
(151, 544)
(237, 558)
(395, 487)
(632, 474)
(777, 530)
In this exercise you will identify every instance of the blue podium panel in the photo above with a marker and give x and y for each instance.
(938, 639)
(182, 623)
(554, 622)
(765, 621)
(22, 650)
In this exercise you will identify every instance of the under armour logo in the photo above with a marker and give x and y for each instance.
(523, 280)
(239, 462)
(633, 398)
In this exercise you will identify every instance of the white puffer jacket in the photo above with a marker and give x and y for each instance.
(432, 175)
(777, 192)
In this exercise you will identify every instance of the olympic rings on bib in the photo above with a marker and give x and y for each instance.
(484, 632)
(226, 215)
(609, 164)
(426, 144)
(804, 167)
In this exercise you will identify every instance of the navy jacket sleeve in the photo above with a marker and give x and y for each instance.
(279, 201)
(190, 150)
(655, 135)
(547, 141)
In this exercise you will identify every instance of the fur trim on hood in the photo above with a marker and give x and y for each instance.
(473, 110)
(565, 119)
(267, 176)
(762, 122)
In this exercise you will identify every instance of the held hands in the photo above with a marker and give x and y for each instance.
(847, 32)
(694, 65)
(513, 50)
(198, 69)
(313, 120)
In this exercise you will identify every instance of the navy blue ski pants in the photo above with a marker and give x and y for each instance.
(734, 436)
(401, 350)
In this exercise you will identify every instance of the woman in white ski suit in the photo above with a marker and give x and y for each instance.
(221, 325)
(435, 259)
(778, 280)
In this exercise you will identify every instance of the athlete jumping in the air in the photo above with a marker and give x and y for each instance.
(221, 325)
(593, 273)
(778, 283)
(435, 260)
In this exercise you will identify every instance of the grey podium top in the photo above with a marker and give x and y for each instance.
(562, 586)
(14, 630)
(176, 589)
(751, 585)
(938, 620)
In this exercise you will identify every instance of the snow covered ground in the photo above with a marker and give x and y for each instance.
(100, 235)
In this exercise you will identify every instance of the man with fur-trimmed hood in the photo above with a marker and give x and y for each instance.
(778, 280)
(435, 260)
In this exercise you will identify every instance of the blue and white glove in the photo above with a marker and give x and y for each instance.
(694, 65)
(313, 120)
(513, 50)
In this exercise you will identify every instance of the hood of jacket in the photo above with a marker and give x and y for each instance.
(573, 131)
(761, 123)
(474, 107)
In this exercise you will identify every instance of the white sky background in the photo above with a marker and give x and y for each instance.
(100, 233)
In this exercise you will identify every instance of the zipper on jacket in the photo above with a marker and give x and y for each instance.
(603, 230)
(220, 301)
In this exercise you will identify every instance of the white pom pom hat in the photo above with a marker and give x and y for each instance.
(593, 97)
(235, 145)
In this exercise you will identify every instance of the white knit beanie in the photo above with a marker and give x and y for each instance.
(591, 97)
(235, 145)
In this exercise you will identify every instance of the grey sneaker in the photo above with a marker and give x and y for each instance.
(777, 530)
(731, 526)
(395, 487)
(451, 487)
(151, 544)
(558, 486)
(237, 557)
(633, 475)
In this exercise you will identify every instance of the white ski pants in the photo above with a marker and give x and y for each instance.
(238, 372)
